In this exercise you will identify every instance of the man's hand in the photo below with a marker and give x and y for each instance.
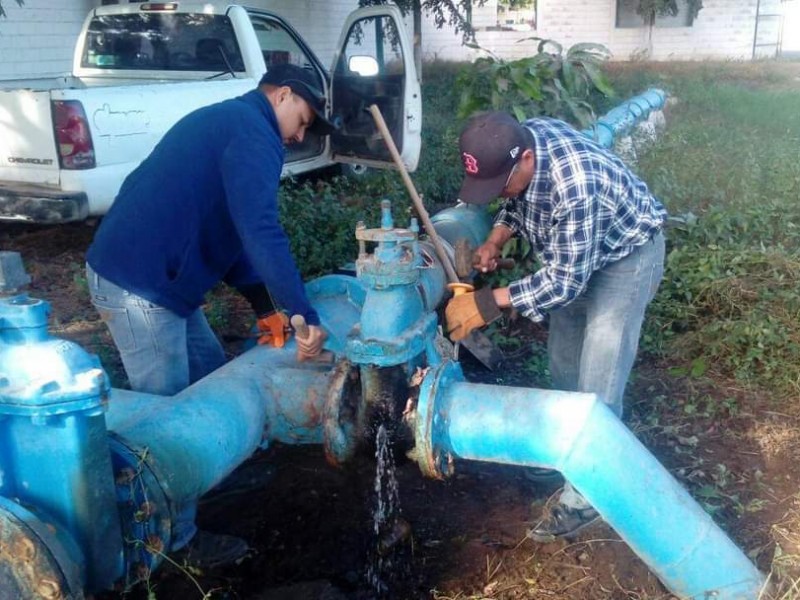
(274, 329)
(469, 311)
(310, 346)
(485, 257)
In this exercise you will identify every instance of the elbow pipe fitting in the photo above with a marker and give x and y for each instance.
(581, 437)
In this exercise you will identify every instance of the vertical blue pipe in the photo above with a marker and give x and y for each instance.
(53, 436)
(579, 436)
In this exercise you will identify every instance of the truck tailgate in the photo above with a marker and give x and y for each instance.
(128, 119)
(27, 146)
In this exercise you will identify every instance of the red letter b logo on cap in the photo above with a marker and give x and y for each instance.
(470, 164)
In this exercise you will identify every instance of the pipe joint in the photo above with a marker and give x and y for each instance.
(431, 451)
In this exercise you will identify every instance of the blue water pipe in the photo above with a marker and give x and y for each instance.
(578, 435)
(621, 120)
(92, 479)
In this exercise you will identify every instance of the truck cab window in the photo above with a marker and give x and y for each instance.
(370, 70)
(162, 42)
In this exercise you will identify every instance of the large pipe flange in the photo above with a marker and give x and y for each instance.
(430, 420)
(344, 413)
(37, 559)
(144, 509)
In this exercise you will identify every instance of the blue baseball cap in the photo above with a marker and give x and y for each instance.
(302, 82)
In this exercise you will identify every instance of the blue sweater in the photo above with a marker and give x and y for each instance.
(203, 207)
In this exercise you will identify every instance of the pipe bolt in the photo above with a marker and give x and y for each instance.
(48, 589)
(146, 510)
(142, 571)
(125, 476)
(154, 544)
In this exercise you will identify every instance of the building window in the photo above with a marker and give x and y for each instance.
(518, 15)
(628, 17)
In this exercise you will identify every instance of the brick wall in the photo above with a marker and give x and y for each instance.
(38, 38)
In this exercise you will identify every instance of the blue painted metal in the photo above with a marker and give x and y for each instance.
(395, 322)
(169, 451)
(579, 436)
(52, 435)
(620, 120)
(463, 221)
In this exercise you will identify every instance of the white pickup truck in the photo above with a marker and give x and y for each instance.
(67, 144)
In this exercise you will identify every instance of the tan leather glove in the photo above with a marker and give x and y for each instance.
(274, 329)
(469, 311)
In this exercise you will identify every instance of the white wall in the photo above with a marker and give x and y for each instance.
(723, 29)
(38, 38)
(319, 22)
(791, 31)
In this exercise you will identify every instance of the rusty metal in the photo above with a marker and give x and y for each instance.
(35, 561)
(343, 414)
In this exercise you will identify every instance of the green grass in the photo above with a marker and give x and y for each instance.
(728, 161)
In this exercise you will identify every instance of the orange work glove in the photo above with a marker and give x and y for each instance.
(274, 329)
(469, 311)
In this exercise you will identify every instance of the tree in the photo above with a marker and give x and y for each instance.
(516, 4)
(2, 10)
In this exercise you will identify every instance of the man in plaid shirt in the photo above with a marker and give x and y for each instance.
(596, 229)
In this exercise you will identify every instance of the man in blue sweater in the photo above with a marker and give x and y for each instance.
(200, 209)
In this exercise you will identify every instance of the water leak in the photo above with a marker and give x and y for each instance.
(389, 560)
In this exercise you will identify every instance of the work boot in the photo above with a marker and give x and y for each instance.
(562, 521)
(210, 550)
(541, 475)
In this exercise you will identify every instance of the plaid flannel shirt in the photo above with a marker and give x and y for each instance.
(582, 210)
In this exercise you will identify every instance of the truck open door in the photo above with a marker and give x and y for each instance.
(375, 65)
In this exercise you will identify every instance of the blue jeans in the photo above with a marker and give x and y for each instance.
(593, 341)
(162, 353)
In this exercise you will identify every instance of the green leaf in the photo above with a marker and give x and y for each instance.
(599, 79)
(519, 113)
(570, 78)
(699, 367)
(598, 51)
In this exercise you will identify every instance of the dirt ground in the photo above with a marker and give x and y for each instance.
(309, 524)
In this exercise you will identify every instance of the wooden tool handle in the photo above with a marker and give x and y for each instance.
(418, 205)
(300, 326)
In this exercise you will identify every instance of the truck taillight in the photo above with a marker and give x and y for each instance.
(74, 141)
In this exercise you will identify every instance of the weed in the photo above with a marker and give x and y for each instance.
(727, 163)
(550, 83)
(79, 279)
(217, 311)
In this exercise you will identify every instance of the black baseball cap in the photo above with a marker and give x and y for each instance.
(303, 83)
(490, 145)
